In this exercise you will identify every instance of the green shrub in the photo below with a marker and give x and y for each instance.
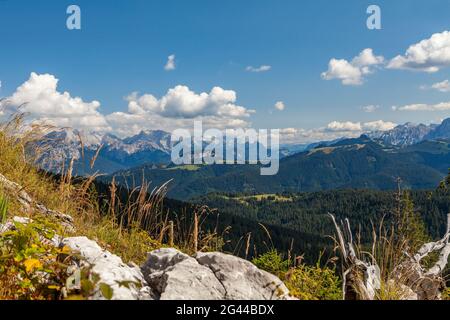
(313, 283)
(446, 294)
(272, 262)
(27, 257)
(304, 282)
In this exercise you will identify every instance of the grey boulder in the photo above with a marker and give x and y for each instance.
(209, 276)
(126, 282)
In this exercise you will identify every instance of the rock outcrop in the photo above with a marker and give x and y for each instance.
(177, 276)
(241, 279)
(124, 281)
(29, 205)
(168, 274)
(206, 276)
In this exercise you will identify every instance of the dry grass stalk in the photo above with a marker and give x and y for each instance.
(247, 245)
(195, 232)
(171, 234)
(94, 158)
(128, 226)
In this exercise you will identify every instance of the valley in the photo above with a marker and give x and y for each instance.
(353, 178)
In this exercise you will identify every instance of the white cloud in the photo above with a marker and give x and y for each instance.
(443, 86)
(170, 64)
(366, 58)
(443, 106)
(352, 73)
(126, 124)
(181, 102)
(429, 55)
(378, 125)
(178, 108)
(370, 108)
(360, 127)
(280, 106)
(343, 70)
(334, 130)
(344, 126)
(288, 131)
(263, 68)
(39, 97)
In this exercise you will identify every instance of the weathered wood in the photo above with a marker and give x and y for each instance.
(362, 279)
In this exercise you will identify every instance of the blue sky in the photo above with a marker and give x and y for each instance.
(123, 47)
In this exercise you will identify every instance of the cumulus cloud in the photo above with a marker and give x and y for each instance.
(126, 124)
(280, 106)
(333, 130)
(353, 72)
(39, 96)
(344, 126)
(170, 64)
(370, 108)
(360, 127)
(181, 102)
(443, 106)
(263, 68)
(343, 70)
(443, 86)
(378, 125)
(178, 108)
(289, 131)
(429, 55)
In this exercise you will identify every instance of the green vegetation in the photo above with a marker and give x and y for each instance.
(3, 208)
(446, 294)
(272, 262)
(132, 221)
(25, 258)
(304, 282)
(353, 163)
(410, 227)
(314, 283)
(261, 197)
(129, 226)
(304, 220)
(189, 167)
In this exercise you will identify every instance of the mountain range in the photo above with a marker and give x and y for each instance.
(419, 154)
(351, 163)
(111, 153)
(410, 133)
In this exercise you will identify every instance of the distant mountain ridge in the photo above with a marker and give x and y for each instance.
(359, 163)
(404, 135)
(114, 153)
(441, 131)
(408, 134)
(153, 147)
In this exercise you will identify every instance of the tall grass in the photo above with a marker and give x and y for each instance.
(129, 224)
(3, 208)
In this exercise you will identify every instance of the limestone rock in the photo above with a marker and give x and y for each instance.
(29, 204)
(241, 279)
(176, 276)
(127, 283)
(209, 276)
